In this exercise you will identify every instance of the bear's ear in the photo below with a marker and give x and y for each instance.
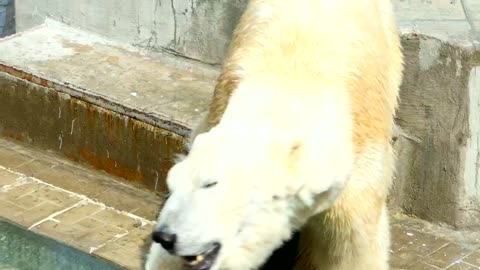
(199, 140)
(201, 127)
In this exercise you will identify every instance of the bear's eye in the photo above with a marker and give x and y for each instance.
(209, 184)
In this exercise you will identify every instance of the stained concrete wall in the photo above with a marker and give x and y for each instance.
(438, 147)
(110, 141)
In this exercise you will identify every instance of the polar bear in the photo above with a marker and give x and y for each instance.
(297, 139)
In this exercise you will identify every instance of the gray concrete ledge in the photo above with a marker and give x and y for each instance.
(453, 22)
(153, 89)
(116, 109)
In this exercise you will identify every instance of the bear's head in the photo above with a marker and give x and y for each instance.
(236, 197)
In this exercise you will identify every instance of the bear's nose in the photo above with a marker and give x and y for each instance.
(165, 239)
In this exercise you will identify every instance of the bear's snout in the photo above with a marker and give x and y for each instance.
(166, 239)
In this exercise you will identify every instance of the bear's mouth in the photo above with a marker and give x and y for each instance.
(205, 260)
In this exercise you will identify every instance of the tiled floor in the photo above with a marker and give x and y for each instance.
(90, 211)
(73, 219)
(83, 208)
(414, 247)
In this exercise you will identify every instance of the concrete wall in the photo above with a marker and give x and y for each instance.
(7, 17)
(198, 29)
(201, 29)
(438, 147)
(107, 140)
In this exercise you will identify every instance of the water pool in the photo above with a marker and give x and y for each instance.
(24, 250)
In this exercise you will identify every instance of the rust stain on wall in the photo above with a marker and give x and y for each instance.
(116, 143)
(110, 166)
(25, 76)
(12, 135)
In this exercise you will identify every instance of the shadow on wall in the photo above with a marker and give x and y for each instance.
(7, 17)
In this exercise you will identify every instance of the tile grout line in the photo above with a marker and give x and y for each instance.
(26, 162)
(436, 250)
(426, 255)
(433, 266)
(54, 159)
(39, 170)
(469, 264)
(20, 181)
(143, 221)
(51, 217)
(115, 238)
(460, 260)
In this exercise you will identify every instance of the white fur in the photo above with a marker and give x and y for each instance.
(318, 83)
(248, 154)
(368, 177)
(158, 258)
